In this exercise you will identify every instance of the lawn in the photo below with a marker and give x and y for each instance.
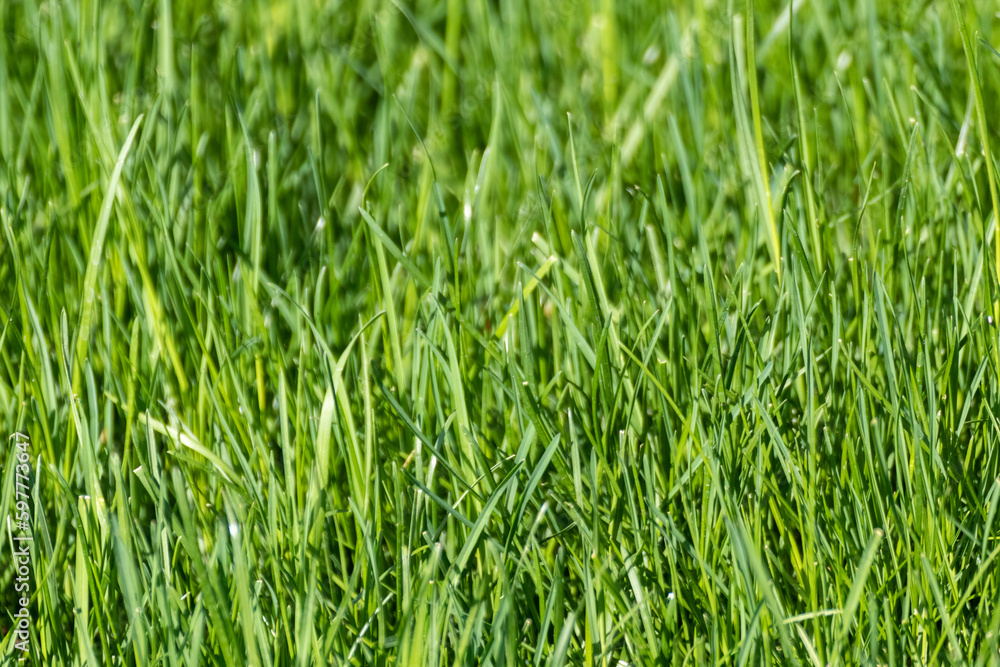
(435, 332)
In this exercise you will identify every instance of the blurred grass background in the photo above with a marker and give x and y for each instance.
(502, 333)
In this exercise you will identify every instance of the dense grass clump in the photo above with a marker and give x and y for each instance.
(433, 332)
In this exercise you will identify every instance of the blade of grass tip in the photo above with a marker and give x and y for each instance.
(244, 595)
(810, 649)
(750, 636)
(953, 644)
(323, 437)
(588, 275)
(336, 375)
(96, 255)
(885, 333)
(189, 442)
(369, 426)
(315, 152)
(642, 600)
(56, 89)
(745, 143)
(130, 412)
(983, 569)
(759, 136)
(252, 232)
(804, 156)
(6, 136)
(529, 287)
(131, 587)
(423, 282)
(536, 476)
(81, 599)
(164, 32)
(388, 305)
(399, 369)
(572, 157)
(739, 532)
(558, 657)
(785, 458)
(970, 60)
(480, 525)
(473, 628)
(26, 307)
(984, 136)
(687, 178)
(857, 588)
(889, 634)
(554, 599)
(463, 425)
(449, 235)
(275, 224)
(993, 496)
(203, 570)
(288, 452)
(86, 455)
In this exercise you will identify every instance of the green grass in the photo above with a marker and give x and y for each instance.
(436, 332)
